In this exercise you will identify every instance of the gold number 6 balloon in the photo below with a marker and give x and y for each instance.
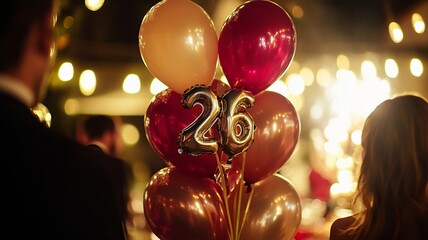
(192, 139)
(236, 126)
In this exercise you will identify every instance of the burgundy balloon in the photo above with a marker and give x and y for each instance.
(180, 206)
(277, 132)
(165, 118)
(256, 45)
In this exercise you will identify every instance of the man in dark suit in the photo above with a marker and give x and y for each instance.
(52, 187)
(100, 132)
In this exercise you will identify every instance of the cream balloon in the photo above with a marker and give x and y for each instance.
(178, 44)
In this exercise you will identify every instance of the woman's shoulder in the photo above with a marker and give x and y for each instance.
(339, 226)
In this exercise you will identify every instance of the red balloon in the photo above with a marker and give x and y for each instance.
(256, 45)
(165, 118)
(180, 206)
(275, 137)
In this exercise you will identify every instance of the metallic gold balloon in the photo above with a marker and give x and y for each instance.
(180, 206)
(237, 126)
(192, 139)
(178, 44)
(274, 211)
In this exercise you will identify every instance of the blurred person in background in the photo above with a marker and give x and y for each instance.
(52, 186)
(101, 132)
(393, 180)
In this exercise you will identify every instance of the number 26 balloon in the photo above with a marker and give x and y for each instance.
(236, 127)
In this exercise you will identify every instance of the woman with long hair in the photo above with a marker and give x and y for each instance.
(393, 181)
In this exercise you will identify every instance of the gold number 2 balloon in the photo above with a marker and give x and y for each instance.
(192, 139)
(236, 125)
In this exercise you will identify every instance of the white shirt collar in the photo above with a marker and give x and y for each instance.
(17, 89)
(103, 147)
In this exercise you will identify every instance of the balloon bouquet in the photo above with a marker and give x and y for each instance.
(223, 144)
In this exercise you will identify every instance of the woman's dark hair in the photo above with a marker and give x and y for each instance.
(393, 179)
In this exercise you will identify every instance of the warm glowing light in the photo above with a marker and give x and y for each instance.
(416, 67)
(368, 69)
(346, 76)
(66, 71)
(130, 134)
(295, 84)
(336, 132)
(345, 163)
(137, 206)
(344, 176)
(279, 87)
(307, 75)
(316, 112)
(395, 32)
(71, 106)
(335, 189)
(87, 82)
(418, 23)
(131, 84)
(323, 77)
(333, 148)
(297, 11)
(157, 86)
(391, 68)
(68, 22)
(94, 5)
(342, 62)
(356, 137)
(43, 114)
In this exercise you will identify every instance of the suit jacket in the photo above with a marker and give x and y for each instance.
(53, 187)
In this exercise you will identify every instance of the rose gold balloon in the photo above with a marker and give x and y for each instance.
(179, 206)
(178, 44)
(274, 211)
(275, 137)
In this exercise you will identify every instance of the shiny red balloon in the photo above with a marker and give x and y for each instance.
(165, 118)
(275, 137)
(180, 206)
(256, 45)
